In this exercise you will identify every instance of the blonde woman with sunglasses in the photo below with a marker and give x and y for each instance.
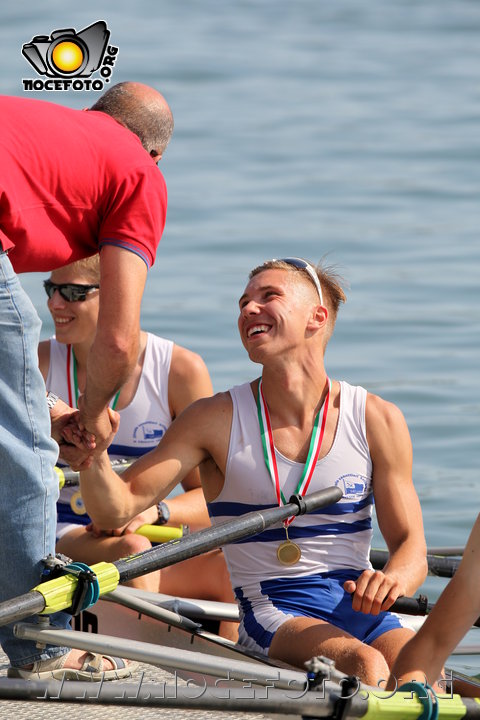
(166, 379)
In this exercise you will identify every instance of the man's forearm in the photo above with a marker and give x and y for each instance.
(109, 365)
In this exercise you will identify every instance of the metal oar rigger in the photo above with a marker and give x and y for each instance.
(61, 593)
(71, 478)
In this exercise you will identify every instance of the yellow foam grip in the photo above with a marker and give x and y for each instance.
(402, 706)
(61, 476)
(58, 593)
(160, 533)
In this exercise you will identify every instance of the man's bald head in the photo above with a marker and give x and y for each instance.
(143, 110)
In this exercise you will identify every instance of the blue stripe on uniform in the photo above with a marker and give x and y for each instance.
(234, 509)
(342, 508)
(295, 532)
(126, 451)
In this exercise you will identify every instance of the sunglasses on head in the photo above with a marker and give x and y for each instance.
(302, 264)
(71, 292)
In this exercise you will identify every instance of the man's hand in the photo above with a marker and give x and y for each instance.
(103, 427)
(62, 416)
(373, 591)
(76, 445)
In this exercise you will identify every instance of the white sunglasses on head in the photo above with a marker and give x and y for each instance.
(302, 264)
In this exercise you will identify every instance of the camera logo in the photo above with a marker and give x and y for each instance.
(70, 57)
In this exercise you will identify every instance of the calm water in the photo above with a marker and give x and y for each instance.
(316, 128)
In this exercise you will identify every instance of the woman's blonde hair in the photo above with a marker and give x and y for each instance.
(89, 267)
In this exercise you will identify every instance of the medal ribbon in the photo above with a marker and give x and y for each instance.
(266, 434)
(72, 381)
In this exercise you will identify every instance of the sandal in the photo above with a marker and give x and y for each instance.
(91, 670)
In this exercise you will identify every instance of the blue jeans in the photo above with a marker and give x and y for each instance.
(28, 484)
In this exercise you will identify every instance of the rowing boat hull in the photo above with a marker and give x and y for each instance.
(110, 618)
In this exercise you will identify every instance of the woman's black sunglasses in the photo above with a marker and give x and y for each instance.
(70, 292)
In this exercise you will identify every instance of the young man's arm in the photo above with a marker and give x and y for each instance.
(188, 381)
(398, 512)
(112, 501)
(454, 613)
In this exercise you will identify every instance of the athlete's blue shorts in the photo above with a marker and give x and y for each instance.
(273, 602)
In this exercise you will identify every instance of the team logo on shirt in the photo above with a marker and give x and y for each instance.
(149, 431)
(354, 487)
(70, 58)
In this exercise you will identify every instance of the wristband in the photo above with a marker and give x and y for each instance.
(163, 513)
(52, 400)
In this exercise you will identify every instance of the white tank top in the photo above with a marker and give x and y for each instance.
(142, 423)
(333, 538)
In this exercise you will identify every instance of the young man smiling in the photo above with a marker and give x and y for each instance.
(306, 588)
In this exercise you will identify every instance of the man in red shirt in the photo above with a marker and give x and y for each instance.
(71, 183)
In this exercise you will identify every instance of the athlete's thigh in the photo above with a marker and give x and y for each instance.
(301, 638)
(391, 642)
(205, 576)
(81, 545)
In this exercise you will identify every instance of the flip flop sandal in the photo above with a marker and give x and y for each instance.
(91, 670)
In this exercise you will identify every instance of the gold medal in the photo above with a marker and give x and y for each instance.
(288, 552)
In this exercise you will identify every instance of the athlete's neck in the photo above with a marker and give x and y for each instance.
(294, 394)
(81, 351)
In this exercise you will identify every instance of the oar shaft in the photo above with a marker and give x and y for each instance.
(68, 477)
(21, 607)
(246, 525)
(58, 594)
(446, 551)
(437, 565)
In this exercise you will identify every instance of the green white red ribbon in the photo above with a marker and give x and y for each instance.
(72, 381)
(266, 434)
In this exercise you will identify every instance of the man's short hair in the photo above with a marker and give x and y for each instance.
(330, 281)
(149, 119)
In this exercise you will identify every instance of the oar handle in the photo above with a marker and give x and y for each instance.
(411, 605)
(417, 606)
(162, 533)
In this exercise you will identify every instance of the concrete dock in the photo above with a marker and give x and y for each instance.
(55, 710)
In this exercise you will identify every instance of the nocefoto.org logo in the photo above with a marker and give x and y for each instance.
(70, 58)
